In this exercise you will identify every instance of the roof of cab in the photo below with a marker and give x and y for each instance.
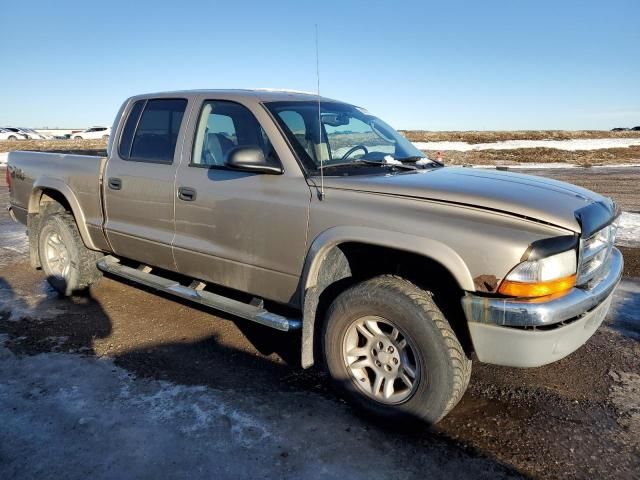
(257, 94)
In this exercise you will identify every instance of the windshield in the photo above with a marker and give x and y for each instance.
(350, 135)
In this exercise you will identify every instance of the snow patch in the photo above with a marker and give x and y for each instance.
(21, 304)
(629, 230)
(13, 242)
(196, 410)
(567, 145)
(551, 166)
(88, 391)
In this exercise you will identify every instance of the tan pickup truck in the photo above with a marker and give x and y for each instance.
(307, 214)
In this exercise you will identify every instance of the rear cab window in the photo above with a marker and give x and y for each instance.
(150, 133)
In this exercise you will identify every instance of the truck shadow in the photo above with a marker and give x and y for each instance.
(43, 322)
(81, 325)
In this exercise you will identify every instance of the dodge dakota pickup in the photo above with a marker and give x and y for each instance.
(310, 215)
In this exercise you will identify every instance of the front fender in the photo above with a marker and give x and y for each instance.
(322, 249)
(426, 247)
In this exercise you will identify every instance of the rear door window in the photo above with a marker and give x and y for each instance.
(156, 124)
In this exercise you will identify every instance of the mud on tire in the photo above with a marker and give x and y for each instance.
(400, 311)
(81, 272)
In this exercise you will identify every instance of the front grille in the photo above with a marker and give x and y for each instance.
(595, 252)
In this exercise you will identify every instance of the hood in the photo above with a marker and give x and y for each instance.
(542, 199)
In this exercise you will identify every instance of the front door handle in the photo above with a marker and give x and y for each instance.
(115, 183)
(187, 194)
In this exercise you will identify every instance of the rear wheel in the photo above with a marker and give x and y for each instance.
(105, 137)
(390, 350)
(68, 264)
(77, 138)
(12, 137)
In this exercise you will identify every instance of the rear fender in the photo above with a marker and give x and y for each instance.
(48, 183)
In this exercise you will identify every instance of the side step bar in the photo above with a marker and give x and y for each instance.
(196, 293)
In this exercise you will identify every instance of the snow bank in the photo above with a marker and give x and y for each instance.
(552, 166)
(569, 145)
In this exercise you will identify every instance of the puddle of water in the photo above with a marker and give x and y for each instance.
(625, 308)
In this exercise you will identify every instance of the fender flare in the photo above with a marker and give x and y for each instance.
(324, 243)
(48, 183)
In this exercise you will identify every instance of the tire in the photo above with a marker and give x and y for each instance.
(77, 138)
(105, 137)
(403, 313)
(12, 137)
(76, 268)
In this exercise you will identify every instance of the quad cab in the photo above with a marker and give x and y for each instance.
(309, 215)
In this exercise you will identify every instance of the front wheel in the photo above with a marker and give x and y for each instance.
(390, 350)
(68, 264)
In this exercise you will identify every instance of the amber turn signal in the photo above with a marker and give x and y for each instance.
(538, 289)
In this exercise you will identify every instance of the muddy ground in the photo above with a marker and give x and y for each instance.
(124, 382)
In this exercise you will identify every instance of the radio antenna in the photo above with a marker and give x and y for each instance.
(320, 152)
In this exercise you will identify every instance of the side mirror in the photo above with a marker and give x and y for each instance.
(251, 159)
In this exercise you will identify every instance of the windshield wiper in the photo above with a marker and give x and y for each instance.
(363, 161)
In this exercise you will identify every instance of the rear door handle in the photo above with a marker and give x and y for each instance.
(115, 183)
(187, 194)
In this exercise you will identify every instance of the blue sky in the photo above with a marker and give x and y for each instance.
(446, 65)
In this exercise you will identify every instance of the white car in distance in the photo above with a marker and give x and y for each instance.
(9, 134)
(33, 135)
(28, 133)
(92, 133)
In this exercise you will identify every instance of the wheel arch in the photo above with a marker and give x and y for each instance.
(46, 190)
(329, 269)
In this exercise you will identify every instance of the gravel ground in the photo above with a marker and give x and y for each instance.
(621, 184)
(125, 382)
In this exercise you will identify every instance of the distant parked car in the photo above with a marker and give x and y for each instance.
(92, 133)
(636, 129)
(9, 134)
(36, 135)
(619, 129)
(28, 133)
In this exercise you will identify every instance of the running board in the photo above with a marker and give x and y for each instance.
(196, 293)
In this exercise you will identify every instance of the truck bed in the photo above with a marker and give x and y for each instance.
(78, 177)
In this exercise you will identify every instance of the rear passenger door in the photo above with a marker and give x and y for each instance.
(139, 181)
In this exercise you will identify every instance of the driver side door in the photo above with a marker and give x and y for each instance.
(242, 230)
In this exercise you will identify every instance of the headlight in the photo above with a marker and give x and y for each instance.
(545, 276)
(595, 250)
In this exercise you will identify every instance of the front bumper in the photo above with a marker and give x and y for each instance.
(530, 333)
